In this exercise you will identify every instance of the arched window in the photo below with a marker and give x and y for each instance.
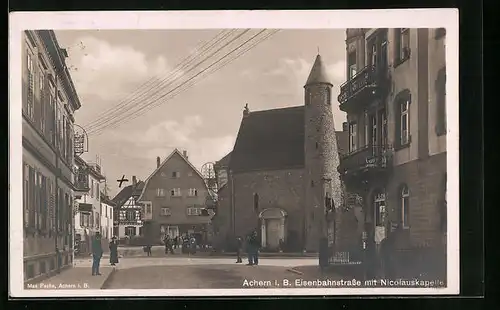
(405, 206)
(379, 207)
(441, 102)
(256, 202)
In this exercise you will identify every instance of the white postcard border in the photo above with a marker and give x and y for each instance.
(411, 18)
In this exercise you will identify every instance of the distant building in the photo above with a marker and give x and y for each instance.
(174, 198)
(128, 213)
(282, 171)
(87, 203)
(107, 207)
(49, 100)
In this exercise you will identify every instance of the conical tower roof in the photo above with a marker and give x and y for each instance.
(318, 73)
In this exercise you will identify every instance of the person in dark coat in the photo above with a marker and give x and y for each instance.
(239, 246)
(96, 254)
(253, 249)
(113, 252)
(256, 246)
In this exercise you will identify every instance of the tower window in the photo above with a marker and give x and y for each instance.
(312, 183)
(317, 145)
(256, 202)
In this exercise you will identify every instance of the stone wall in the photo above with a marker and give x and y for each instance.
(276, 189)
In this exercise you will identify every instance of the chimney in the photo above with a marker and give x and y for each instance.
(185, 154)
(134, 180)
(158, 162)
(246, 110)
(344, 126)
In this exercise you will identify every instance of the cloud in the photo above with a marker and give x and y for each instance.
(110, 71)
(162, 138)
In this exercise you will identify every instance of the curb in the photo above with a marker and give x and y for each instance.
(106, 282)
(293, 270)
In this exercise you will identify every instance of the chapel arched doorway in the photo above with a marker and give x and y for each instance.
(273, 230)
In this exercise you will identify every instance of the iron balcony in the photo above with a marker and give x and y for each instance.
(370, 158)
(364, 87)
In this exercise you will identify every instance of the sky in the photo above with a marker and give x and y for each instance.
(108, 66)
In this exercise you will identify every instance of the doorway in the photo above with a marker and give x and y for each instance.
(272, 228)
(380, 214)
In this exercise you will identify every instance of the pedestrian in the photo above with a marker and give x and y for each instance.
(249, 246)
(166, 241)
(192, 241)
(239, 245)
(113, 252)
(96, 254)
(176, 242)
(255, 247)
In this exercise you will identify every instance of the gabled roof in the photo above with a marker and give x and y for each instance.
(318, 73)
(273, 140)
(270, 140)
(224, 161)
(127, 192)
(106, 200)
(176, 151)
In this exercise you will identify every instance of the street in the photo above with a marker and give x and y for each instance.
(189, 273)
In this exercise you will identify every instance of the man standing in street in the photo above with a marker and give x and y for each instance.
(255, 247)
(239, 245)
(96, 254)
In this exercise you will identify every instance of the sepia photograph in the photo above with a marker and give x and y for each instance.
(234, 153)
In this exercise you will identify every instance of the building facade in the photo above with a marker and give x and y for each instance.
(49, 100)
(128, 216)
(281, 171)
(395, 99)
(174, 198)
(88, 203)
(107, 206)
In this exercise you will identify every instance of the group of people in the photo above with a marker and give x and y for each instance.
(252, 248)
(97, 252)
(188, 243)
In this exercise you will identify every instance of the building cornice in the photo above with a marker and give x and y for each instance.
(53, 49)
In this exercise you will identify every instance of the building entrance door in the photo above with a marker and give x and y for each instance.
(173, 231)
(380, 217)
(273, 233)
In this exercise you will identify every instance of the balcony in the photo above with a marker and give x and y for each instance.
(363, 88)
(81, 182)
(366, 160)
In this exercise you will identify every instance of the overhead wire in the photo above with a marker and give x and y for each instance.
(125, 103)
(167, 81)
(189, 83)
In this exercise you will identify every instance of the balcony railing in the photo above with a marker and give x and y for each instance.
(366, 158)
(129, 222)
(364, 82)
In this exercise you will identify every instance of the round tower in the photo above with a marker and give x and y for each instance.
(321, 156)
